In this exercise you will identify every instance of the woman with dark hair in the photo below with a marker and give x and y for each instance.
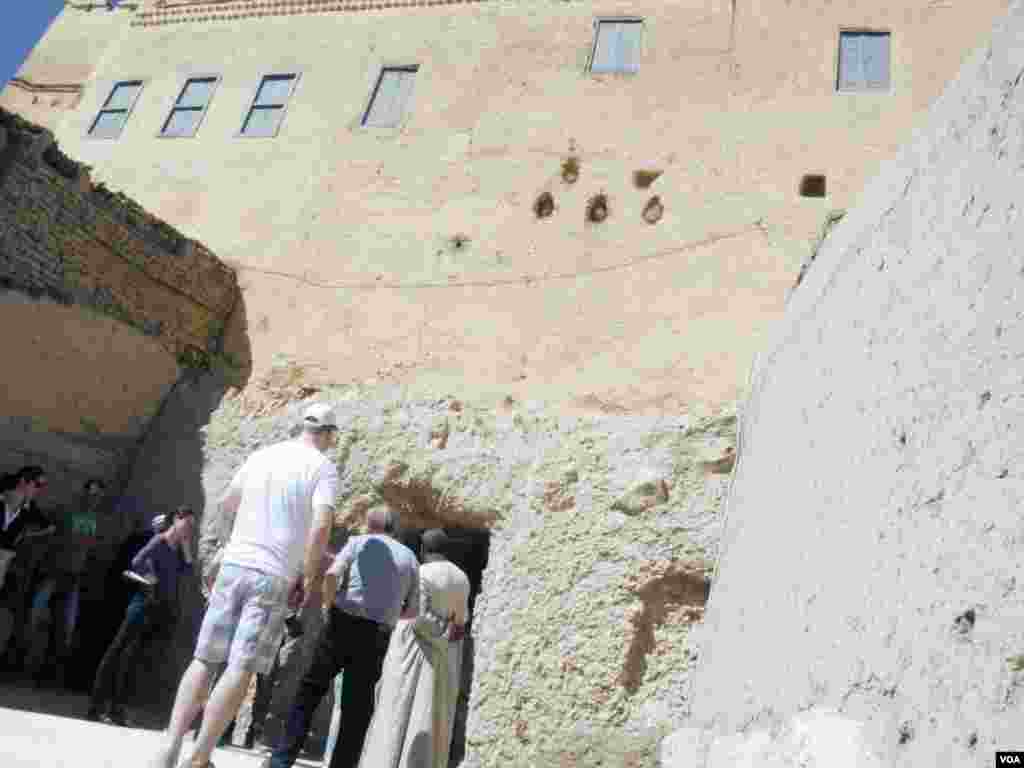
(20, 522)
(58, 594)
(20, 515)
(157, 566)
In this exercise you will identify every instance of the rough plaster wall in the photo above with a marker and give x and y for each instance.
(65, 238)
(80, 396)
(359, 259)
(106, 301)
(603, 531)
(168, 471)
(79, 371)
(878, 493)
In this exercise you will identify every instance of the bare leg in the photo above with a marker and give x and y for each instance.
(192, 692)
(224, 702)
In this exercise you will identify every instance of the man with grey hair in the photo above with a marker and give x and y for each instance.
(415, 716)
(282, 501)
(373, 582)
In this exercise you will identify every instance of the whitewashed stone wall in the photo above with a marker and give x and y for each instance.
(873, 553)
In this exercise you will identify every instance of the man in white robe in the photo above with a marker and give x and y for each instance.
(419, 688)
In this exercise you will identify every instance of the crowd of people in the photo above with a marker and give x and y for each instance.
(53, 568)
(392, 630)
(391, 627)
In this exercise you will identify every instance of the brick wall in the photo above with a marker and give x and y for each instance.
(105, 310)
(83, 244)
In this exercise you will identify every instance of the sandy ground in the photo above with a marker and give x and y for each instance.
(46, 728)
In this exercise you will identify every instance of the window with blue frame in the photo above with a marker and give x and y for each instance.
(115, 110)
(616, 46)
(391, 98)
(864, 61)
(187, 112)
(268, 106)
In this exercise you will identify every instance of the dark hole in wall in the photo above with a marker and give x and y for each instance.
(597, 208)
(642, 179)
(812, 185)
(571, 170)
(544, 206)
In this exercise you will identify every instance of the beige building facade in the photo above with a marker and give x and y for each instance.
(404, 237)
(511, 211)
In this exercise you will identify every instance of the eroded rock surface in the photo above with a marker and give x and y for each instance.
(872, 555)
(604, 530)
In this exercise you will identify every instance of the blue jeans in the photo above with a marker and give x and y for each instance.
(41, 604)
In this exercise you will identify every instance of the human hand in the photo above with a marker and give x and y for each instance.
(297, 595)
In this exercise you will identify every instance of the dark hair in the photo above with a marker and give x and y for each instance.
(434, 542)
(29, 474)
(184, 511)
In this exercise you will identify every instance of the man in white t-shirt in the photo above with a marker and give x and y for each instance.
(282, 501)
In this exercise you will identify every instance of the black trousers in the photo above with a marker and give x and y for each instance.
(142, 621)
(348, 643)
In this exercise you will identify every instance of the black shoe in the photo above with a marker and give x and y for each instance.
(93, 715)
(116, 717)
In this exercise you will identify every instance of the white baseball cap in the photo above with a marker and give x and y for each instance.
(320, 416)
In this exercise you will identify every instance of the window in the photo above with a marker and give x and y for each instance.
(188, 110)
(268, 107)
(391, 96)
(616, 46)
(863, 61)
(114, 114)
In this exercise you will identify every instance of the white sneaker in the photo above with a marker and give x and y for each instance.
(164, 758)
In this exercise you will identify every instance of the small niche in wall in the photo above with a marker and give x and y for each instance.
(458, 241)
(642, 179)
(812, 185)
(570, 170)
(597, 208)
(654, 210)
(544, 205)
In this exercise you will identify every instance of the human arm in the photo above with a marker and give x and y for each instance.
(411, 605)
(316, 548)
(457, 627)
(142, 563)
(33, 524)
(335, 575)
(429, 618)
(31, 533)
(324, 496)
(217, 530)
(450, 621)
(185, 552)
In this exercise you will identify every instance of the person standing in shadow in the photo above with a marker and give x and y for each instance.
(151, 611)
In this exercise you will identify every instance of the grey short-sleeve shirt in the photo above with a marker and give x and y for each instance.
(383, 578)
